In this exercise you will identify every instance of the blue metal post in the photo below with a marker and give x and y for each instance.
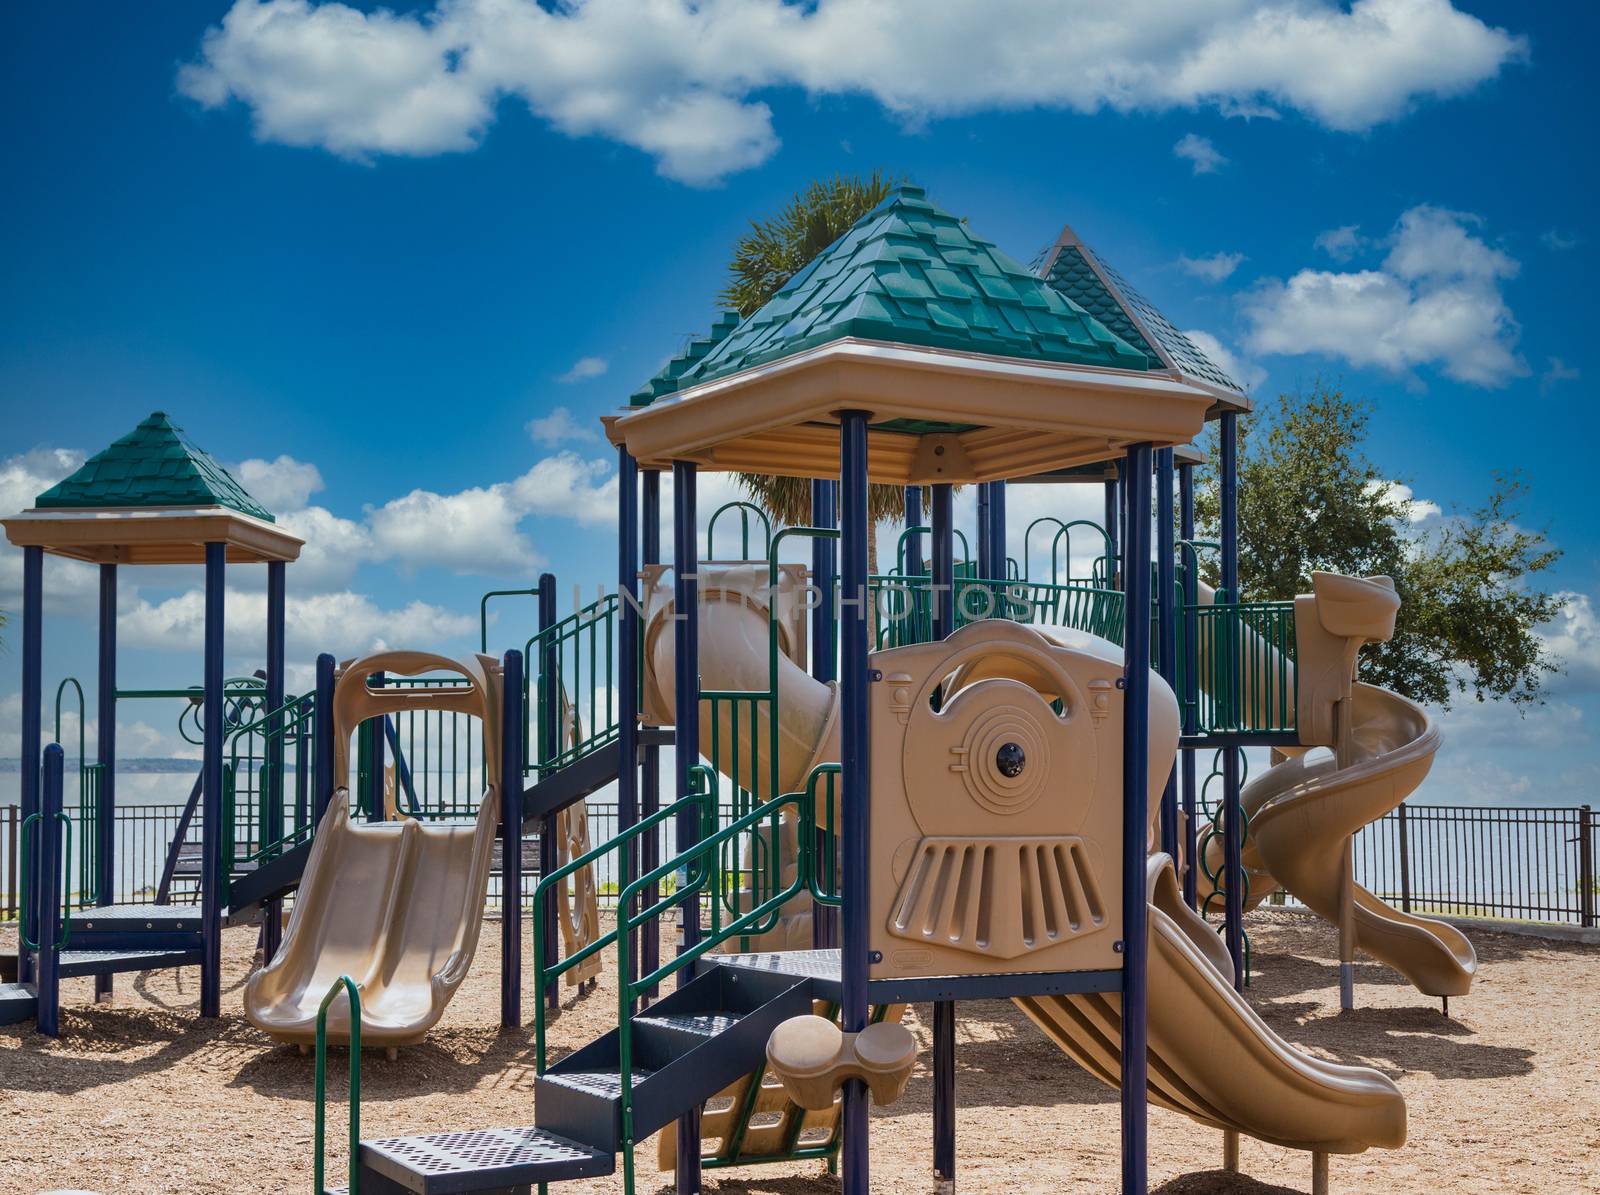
(32, 697)
(1232, 828)
(824, 565)
(650, 779)
(1136, 822)
(1167, 629)
(47, 1016)
(997, 530)
(942, 572)
(273, 831)
(628, 670)
(105, 846)
(686, 738)
(914, 563)
(985, 531)
(549, 748)
(511, 727)
(211, 827)
(322, 742)
(824, 651)
(1113, 520)
(377, 748)
(944, 1091)
(856, 747)
(1191, 679)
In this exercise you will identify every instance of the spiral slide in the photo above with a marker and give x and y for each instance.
(395, 905)
(1304, 812)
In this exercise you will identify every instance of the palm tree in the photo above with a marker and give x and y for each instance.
(764, 259)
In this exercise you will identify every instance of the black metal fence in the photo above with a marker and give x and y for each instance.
(1534, 864)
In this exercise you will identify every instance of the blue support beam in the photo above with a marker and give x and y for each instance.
(914, 561)
(997, 530)
(211, 827)
(686, 737)
(105, 845)
(1167, 628)
(856, 747)
(511, 729)
(1191, 680)
(628, 671)
(32, 699)
(824, 652)
(942, 573)
(1136, 822)
(985, 531)
(275, 775)
(1232, 824)
(549, 748)
(650, 769)
(48, 885)
(944, 1092)
(322, 741)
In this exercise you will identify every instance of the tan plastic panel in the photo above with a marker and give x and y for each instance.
(395, 905)
(1212, 1057)
(999, 817)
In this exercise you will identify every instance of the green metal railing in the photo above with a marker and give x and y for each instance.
(1102, 568)
(352, 991)
(438, 758)
(706, 869)
(263, 813)
(30, 827)
(576, 657)
(747, 511)
(902, 607)
(1212, 795)
(89, 779)
(1247, 657)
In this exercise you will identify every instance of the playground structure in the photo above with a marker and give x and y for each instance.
(959, 780)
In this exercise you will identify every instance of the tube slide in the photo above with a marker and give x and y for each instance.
(396, 905)
(1305, 810)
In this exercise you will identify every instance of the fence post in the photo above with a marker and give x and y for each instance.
(1586, 892)
(1405, 861)
(14, 817)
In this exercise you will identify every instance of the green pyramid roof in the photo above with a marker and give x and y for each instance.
(153, 465)
(910, 273)
(1075, 270)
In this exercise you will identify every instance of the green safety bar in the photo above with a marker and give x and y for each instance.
(353, 991)
(745, 509)
(483, 611)
(586, 634)
(89, 775)
(249, 754)
(25, 877)
(900, 546)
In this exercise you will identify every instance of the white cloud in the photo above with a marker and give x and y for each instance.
(282, 485)
(676, 79)
(1341, 243)
(1199, 151)
(1247, 373)
(334, 548)
(584, 368)
(1402, 500)
(566, 486)
(1214, 268)
(1556, 372)
(1554, 238)
(341, 623)
(1474, 725)
(1436, 301)
(471, 531)
(559, 427)
(1572, 639)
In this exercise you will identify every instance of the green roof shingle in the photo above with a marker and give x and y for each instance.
(155, 464)
(910, 273)
(667, 380)
(1088, 279)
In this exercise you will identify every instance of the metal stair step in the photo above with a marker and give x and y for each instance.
(481, 1160)
(18, 1002)
(98, 962)
(706, 1024)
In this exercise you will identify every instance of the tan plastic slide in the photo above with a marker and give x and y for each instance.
(1211, 1056)
(1304, 812)
(396, 905)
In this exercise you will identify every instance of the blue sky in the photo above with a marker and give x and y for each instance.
(381, 244)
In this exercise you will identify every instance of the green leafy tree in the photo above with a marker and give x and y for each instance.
(764, 259)
(1471, 600)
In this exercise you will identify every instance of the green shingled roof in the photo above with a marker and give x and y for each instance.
(910, 273)
(1083, 276)
(153, 465)
(668, 380)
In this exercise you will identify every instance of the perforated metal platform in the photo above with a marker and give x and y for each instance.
(605, 1084)
(481, 1160)
(708, 1023)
